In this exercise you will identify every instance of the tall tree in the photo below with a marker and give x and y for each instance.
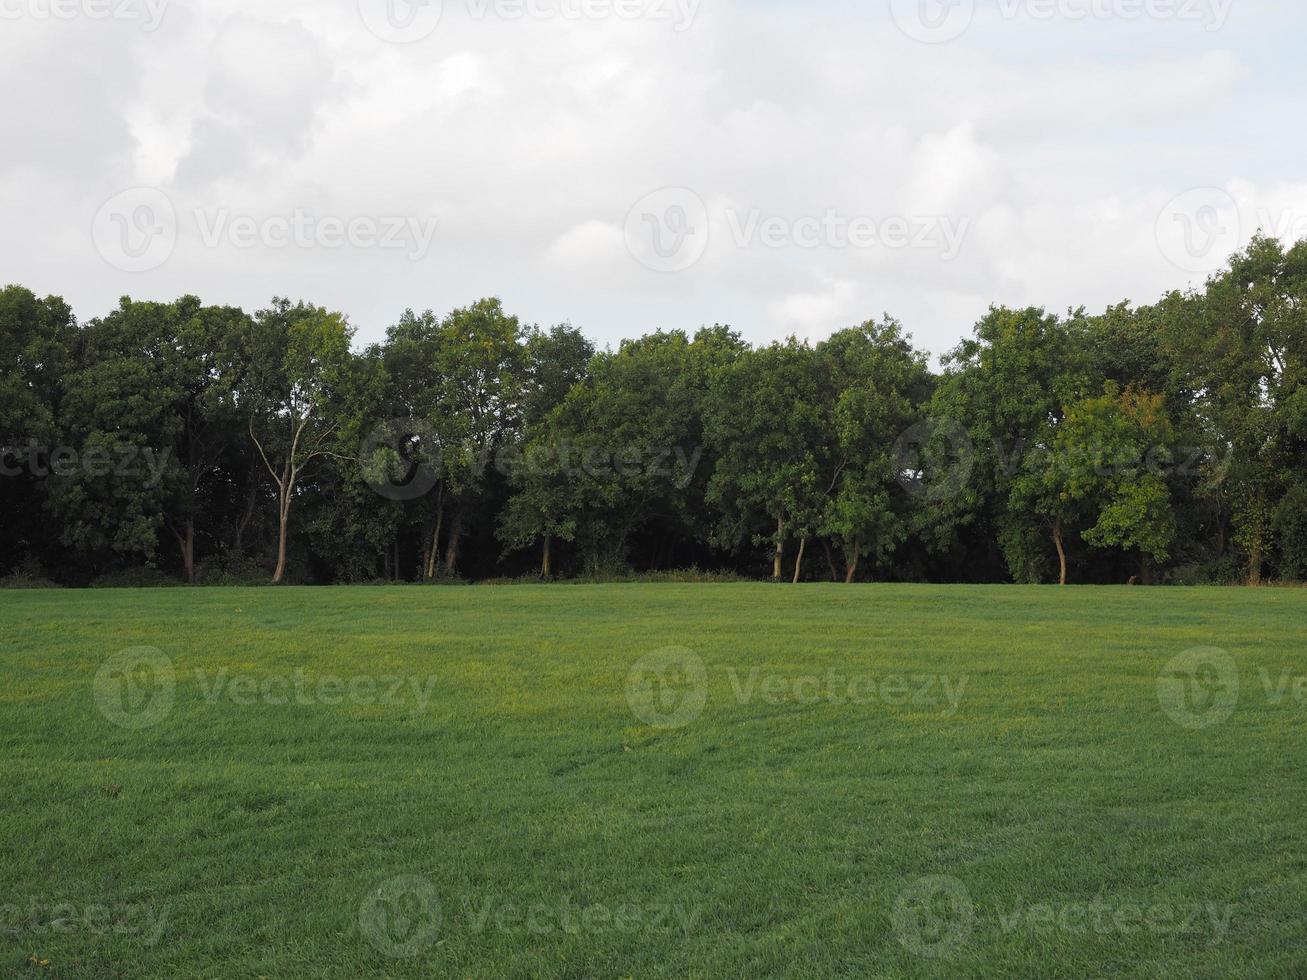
(38, 342)
(1007, 388)
(1241, 346)
(209, 421)
(877, 384)
(630, 440)
(481, 383)
(124, 420)
(294, 397)
(764, 423)
(547, 498)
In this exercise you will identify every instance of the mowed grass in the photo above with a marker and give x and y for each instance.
(1058, 823)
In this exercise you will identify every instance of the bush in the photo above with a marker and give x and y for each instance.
(28, 575)
(1223, 571)
(136, 578)
(231, 571)
(673, 576)
(624, 576)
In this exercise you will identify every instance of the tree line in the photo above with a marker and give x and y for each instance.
(203, 444)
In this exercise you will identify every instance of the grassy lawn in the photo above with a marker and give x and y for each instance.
(654, 781)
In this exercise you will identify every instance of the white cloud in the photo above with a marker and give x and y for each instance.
(952, 172)
(815, 314)
(590, 246)
(530, 140)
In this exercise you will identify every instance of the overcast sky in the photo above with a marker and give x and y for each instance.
(784, 167)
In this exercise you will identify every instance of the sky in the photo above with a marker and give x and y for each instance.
(632, 165)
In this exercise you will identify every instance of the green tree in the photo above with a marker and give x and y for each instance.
(631, 441)
(460, 382)
(1110, 460)
(294, 397)
(38, 342)
(124, 417)
(1007, 387)
(547, 499)
(1241, 347)
(765, 425)
(481, 381)
(876, 385)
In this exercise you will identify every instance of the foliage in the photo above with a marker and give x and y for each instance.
(1130, 444)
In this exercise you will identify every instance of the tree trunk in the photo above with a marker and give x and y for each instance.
(798, 562)
(853, 556)
(779, 557)
(188, 552)
(434, 556)
(284, 515)
(451, 552)
(1061, 551)
(546, 564)
(830, 561)
(664, 552)
(238, 544)
(430, 553)
(186, 545)
(1255, 561)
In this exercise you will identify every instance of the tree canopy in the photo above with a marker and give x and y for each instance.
(180, 441)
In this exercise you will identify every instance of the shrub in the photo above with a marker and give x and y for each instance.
(232, 570)
(136, 578)
(28, 575)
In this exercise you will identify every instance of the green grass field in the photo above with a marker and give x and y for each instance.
(654, 781)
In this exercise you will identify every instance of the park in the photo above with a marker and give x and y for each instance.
(651, 780)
